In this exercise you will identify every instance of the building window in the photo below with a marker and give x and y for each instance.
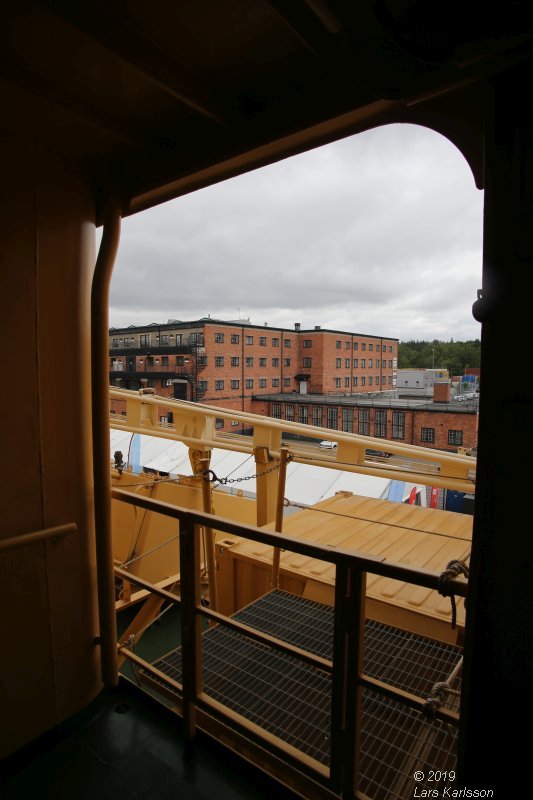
(347, 363)
(234, 384)
(398, 425)
(202, 386)
(249, 361)
(370, 346)
(235, 361)
(164, 339)
(338, 344)
(219, 361)
(235, 338)
(262, 362)
(262, 341)
(275, 382)
(363, 363)
(202, 361)
(219, 337)
(356, 345)
(115, 342)
(286, 381)
(276, 410)
(427, 435)
(390, 348)
(286, 343)
(347, 345)
(317, 416)
(337, 383)
(307, 343)
(347, 420)
(455, 437)
(249, 383)
(219, 385)
(370, 380)
(377, 363)
(164, 361)
(355, 363)
(286, 362)
(275, 362)
(355, 381)
(390, 364)
(369, 363)
(249, 340)
(338, 363)
(275, 342)
(262, 383)
(363, 422)
(389, 379)
(377, 380)
(363, 346)
(289, 413)
(307, 363)
(380, 424)
(219, 423)
(333, 419)
(302, 415)
(363, 381)
(347, 382)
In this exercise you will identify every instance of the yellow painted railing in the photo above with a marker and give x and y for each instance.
(194, 425)
(346, 668)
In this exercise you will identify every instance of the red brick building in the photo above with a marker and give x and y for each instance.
(229, 363)
(440, 425)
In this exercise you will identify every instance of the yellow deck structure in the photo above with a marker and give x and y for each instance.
(409, 535)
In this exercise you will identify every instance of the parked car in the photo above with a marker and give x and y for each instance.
(328, 445)
(379, 453)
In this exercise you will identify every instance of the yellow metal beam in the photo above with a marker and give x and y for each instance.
(194, 425)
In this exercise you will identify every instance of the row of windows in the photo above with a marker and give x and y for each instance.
(248, 384)
(364, 363)
(455, 437)
(145, 340)
(249, 361)
(235, 339)
(307, 343)
(367, 380)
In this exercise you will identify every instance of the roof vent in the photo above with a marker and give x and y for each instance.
(297, 326)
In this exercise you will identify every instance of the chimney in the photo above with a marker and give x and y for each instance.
(317, 327)
(297, 326)
(441, 392)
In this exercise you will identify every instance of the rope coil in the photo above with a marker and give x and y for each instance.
(453, 569)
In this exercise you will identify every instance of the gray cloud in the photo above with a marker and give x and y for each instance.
(378, 233)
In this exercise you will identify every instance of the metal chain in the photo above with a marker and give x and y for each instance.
(213, 478)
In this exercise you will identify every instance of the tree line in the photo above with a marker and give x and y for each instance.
(453, 356)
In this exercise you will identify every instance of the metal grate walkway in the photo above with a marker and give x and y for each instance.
(292, 700)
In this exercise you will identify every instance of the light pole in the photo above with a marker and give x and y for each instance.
(433, 357)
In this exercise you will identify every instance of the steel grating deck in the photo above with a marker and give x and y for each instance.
(291, 699)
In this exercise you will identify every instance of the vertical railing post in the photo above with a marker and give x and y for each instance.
(348, 644)
(191, 643)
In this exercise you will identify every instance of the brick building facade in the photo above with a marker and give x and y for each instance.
(228, 363)
(441, 425)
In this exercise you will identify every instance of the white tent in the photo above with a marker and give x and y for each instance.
(305, 483)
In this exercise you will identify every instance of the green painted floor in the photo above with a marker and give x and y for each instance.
(124, 746)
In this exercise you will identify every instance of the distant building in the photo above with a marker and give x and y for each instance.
(227, 363)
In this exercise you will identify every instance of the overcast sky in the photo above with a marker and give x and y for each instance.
(379, 233)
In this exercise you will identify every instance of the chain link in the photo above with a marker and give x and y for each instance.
(213, 478)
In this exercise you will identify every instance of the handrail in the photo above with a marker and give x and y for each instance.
(346, 669)
(193, 424)
(378, 565)
(56, 532)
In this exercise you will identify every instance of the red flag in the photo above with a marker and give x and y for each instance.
(433, 503)
(412, 496)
